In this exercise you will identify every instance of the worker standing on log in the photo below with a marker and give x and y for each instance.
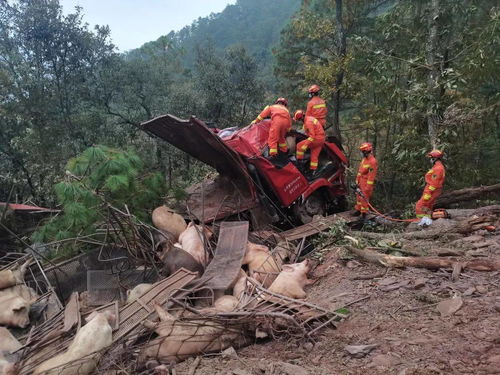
(316, 107)
(281, 123)
(365, 179)
(434, 180)
(315, 139)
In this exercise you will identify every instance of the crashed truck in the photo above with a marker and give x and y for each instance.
(249, 184)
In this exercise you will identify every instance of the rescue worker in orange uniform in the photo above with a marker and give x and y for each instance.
(434, 180)
(281, 123)
(365, 179)
(316, 107)
(315, 141)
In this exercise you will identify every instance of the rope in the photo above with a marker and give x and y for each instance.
(391, 218)
(385, 216)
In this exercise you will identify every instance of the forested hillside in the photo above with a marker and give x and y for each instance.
(405, 75)
(253, 24)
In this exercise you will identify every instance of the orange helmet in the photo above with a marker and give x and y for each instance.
(366, 146)
(298, 115)
(314, 89)
(436, 154)
(282, 101)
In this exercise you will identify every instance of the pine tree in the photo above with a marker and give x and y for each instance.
(98, 178)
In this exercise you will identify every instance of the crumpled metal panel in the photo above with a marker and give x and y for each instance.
(195, 138)
(224, 269)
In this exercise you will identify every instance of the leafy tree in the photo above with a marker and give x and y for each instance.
(96, 179)
(229, 85)
(418, 74)
(47, 75)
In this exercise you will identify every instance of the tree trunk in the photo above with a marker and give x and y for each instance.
(425, 262)
(466, 194)
(340, 75)
(433, 77)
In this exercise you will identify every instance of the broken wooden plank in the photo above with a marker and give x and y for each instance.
(317, 225)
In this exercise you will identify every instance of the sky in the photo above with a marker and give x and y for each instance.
(135, 22)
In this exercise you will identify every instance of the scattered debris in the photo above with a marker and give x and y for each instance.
(360, 351)
(449, 306)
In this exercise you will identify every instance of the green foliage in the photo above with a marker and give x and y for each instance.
(96, 179)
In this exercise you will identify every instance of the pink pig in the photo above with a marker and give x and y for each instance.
(291, 281)
(193, 240)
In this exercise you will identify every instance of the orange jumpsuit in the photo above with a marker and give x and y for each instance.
(365, 179)
(434, 180)
(281, 123)
(316, 107)
(316, 133)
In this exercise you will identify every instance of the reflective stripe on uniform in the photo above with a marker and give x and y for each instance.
(427, 197)
(315, 121)
(310, 139)
(273, 150)
(283, 145)
(370, 182)
(304, 147)
(259, 118)
(423, 215)
(300, 153)
(366, 165)
(432, 188)
(314, 164)
(319, 106)
(430, 171)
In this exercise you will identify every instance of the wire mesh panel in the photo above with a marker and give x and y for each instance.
(103, 287)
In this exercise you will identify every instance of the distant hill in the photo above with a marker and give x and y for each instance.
(255, 24)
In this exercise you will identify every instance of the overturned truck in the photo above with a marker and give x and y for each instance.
(249, 184)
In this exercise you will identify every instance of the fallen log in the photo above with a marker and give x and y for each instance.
(431, 263)
(460, 213)
(455, 196)
(455, 230)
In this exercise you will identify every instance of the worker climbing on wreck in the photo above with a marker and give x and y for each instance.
(316, 107)
(281, 123)
(365, 180)
(434, 180)
(315, 140)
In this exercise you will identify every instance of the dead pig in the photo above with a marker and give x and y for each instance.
(167, 220)
(222, 304)
(261, 264)
(8, 345)
(20, 290)
(181, 339)
(291, 281)
(14, 311)
(77, 359)
(137, 291)
(7, 367)
(193, 240)
(13, 277)
(176, 258)
(240, 285)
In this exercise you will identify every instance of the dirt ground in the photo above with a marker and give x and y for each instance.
(396, 310)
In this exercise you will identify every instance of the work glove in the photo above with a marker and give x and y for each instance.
(425, 222)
